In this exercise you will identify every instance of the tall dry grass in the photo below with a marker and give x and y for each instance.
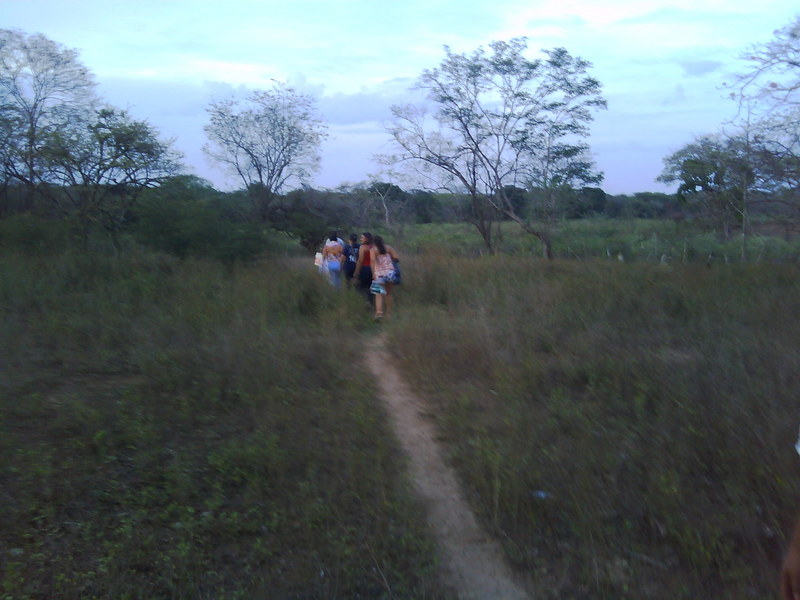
(178, 429)
(626, 430)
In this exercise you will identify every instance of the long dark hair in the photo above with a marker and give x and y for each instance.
(379, 245)
(367, 236)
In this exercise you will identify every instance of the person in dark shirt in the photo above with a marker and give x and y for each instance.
(351, 258)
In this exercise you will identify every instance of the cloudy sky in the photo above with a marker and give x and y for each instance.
(662, 63)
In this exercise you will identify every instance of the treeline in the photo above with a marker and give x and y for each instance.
(186, 216)
(183, 207)
(76, 168)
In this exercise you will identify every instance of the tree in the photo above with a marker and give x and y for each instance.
(391, 197)
(425, 206)
(361, 206)
(585, 202)
(186, 216)
(519, 199)
(270, 139)
(773, 86)
(776, 160)
(308, 215)
(715, 173)
(43, 88)
(775, 69)
(502, 121)
(102, 166)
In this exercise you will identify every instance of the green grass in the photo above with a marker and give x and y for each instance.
(635, 240)
(179, 430)
(626, 430)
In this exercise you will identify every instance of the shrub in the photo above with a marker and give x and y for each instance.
(35, 235)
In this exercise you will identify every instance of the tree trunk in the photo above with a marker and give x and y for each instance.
(262, 205)
(486, 234)
(483, 220)
(386, 213)
(744, 224)
(547, 247)
(542, 235)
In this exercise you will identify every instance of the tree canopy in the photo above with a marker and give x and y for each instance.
(269, 140)
(502, 120)
(44, 87)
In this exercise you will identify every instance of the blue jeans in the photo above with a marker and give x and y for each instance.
(335, 277)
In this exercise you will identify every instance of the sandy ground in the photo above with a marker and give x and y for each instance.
(472, 562)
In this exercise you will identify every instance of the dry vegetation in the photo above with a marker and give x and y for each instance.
(626, 430)
(178, 430)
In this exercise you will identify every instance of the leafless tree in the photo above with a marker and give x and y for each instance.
(775, 68)
(502, 120)
(268, 140)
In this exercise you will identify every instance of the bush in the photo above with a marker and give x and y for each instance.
(35, 235)
(187, 228)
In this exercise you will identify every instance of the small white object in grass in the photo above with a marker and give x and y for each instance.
(797, 444)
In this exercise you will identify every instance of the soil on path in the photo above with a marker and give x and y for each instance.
(472, 561)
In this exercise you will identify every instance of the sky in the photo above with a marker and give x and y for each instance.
(663, 64)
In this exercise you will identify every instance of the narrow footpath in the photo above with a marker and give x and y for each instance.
(472, 561)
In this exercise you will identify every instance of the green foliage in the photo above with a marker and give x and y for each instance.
(425, 207)
(188, 228)
(716, 174)
(586, 202)
(628, 430)
(28, 233)
(644, 205)
(308, 215)
(176, 429)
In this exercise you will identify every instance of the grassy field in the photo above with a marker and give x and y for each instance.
(178, 430)
(635, 240)
(626, 430)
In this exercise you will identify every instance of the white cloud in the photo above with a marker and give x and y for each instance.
(661, 62)
(696, 68)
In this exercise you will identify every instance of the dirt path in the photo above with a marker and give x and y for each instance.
(473, 562)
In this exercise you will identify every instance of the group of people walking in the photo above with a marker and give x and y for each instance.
(366, 263)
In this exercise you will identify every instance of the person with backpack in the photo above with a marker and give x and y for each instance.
(384, 275)
(351, 258)
(333, 256)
